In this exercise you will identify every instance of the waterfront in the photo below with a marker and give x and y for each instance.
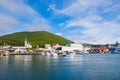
(82, 67)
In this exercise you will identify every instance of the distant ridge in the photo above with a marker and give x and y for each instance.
(36, 38)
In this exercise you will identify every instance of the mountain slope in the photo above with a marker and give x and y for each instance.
(36, 38)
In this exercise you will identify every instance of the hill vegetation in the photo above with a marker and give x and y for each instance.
(36, 38)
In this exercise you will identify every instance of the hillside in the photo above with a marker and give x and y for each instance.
(36, 38)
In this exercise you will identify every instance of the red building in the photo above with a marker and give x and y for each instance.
(99, 48)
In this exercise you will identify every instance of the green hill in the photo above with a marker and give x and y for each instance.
(36, 38)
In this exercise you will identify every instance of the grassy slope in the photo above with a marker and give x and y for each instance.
(36, 38)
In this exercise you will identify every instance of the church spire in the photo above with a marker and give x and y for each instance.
(25, 42)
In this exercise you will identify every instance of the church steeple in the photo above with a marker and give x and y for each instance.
(25, 42)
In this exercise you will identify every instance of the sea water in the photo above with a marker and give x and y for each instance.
(80, 67)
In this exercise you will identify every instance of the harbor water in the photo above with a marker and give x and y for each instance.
(80, 67)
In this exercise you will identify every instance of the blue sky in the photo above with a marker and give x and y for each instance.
(82, 21)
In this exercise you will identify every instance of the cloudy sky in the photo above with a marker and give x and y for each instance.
(83, 21)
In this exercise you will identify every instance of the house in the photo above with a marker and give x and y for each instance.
(48, 46)
(73, 47)
(99, 49)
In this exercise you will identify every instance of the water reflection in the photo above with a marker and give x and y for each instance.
(83, 67)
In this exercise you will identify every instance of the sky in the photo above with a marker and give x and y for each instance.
(82, 21)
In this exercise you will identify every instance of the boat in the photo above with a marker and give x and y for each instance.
(72, 54)
(64, 54)
(1, 54)
(47, 53)
(42, 53)
(116, 51)
(6, 53)
(53, 54)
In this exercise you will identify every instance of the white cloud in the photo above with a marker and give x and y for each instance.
(51, 7)
(17, 8)
(113, 8)
(37, 24)
(5, 22)
(59, 34)
(86, 16)
(13, 14)
(84, 21)
(100, 30)
(82, 7)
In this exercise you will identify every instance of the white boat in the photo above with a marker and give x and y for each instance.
(54, 54)
(72, 54)
(47, 53)
(1, 54)
(64, 54)
(42, 53)
(6, 53)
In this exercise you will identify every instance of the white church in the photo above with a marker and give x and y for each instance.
(27, 44)
(22, 49)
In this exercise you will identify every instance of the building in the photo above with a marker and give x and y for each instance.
(27, 44)
(56, 46)
(73, 47)
(19, 49)
(99, 49)
(48, 46)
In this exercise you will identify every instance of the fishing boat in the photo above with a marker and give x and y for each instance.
(47, 53)
(64, 54)
(72, 54)
(54, 54)
(1, 54)
(6, 53)
(116, 51)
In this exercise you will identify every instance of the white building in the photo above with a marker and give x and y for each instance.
(27, 44)
(73, 47)
(48, 46)
(20, 49)
(56, 46)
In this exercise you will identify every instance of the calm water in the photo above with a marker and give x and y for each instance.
(82, 67)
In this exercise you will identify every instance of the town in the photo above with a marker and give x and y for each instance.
(57, 49)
